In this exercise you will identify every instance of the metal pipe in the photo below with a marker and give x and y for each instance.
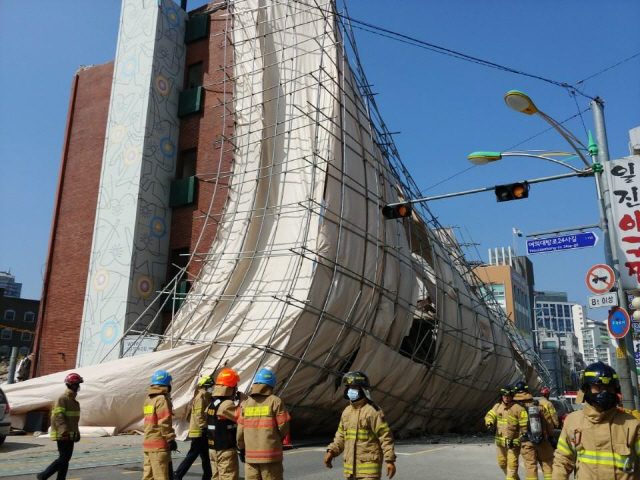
(12, 364)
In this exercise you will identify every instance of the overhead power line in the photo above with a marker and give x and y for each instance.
(452, 53)
(608, 68)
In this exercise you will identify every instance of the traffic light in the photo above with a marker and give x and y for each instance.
(512, 191)
(401, 210)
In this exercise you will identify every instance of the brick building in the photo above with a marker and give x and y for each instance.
(192, 185)
(17, 324)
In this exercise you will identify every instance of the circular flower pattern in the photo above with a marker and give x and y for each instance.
(172, 17)
(168, 147)
(158, 227)
(144, 286)
(129, 67)
(130, 156)
(101, 279)
(162, 85)
(109, 332)
(117, 133)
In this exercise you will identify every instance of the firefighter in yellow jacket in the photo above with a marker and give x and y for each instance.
(159, 438)
(548, 406)
(222, 424)
(510, 423)
(65, 417)
(262, 425)
(363, 433)
(535, 447)
(198, 431)
(599, 441)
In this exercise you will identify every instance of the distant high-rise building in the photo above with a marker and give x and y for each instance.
(8, 283)
(596, 343)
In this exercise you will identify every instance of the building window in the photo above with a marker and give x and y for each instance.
(26, 336)
(29, 317)
(23, 351)
(567, 311)
(187, 164)
(194, 76)
(4, 351)
(6, 334)
(10, 315)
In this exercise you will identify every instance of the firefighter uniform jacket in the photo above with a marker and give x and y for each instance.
(598, 445)
(65, 416)
(198, 422)
(364, 436)
(262, 425)
(551, 410)
(510, 422)
(158, 427)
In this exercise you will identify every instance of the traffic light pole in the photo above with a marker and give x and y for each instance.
(562, 176)
(627, 375)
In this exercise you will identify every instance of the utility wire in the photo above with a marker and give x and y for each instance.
(449, 52)
(608, 68)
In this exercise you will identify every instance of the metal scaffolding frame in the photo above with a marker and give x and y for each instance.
(450, 312)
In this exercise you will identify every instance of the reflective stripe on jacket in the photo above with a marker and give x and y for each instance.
(158, 427)
(551, 410)
(198, 421)
(262, 424)
(365, 438)
(510, 422)
(598, 445)
(65, 416)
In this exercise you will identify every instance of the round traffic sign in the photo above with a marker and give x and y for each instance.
(619, 322)
(600, 278)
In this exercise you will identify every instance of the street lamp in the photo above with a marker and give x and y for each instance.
(521, 102)
(484, 158)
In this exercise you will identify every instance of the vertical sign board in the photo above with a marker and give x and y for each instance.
(624, 189)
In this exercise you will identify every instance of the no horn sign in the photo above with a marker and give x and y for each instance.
(619, 322)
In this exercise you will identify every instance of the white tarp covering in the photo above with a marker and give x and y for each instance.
(113, 392)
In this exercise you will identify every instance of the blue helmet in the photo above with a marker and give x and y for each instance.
(265, 376)
(161, 377)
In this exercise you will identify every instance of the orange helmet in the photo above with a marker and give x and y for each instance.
(227, 377)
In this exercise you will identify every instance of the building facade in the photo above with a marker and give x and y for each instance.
(9, 285)
(597, 343)
(17, 324)
(510, 279)
(141, 154)
(560, 321)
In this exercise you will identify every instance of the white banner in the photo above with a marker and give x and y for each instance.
(624, 187)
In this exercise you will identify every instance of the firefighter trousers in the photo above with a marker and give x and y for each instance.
(157, 466)
(263, 471)
(224, 464)
(533, 454)
(508, 461)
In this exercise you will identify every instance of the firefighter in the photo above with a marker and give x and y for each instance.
(222, 418)
(65, 417)
(159, 438)
(262, 425)
(548, 406)
(363, 433)
(535, 447)
(510, 423)
(198, 431)
(599, 441)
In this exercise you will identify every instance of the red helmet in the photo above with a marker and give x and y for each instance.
(73, 379)
(227, 377)
(545, 391)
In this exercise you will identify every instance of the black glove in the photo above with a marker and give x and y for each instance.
(77, 439)
(241, 454)
(173, 446)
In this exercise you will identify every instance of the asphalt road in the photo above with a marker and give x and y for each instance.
(416, 460)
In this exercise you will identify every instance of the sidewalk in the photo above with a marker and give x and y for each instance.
(20, 455)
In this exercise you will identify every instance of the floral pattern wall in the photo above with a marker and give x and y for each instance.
(130, 248)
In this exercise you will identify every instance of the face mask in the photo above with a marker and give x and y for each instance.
(353, 394)
(605, 400)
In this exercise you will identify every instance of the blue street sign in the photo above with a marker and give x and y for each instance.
(619, 322)
(563, 242)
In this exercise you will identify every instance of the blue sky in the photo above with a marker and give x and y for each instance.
(445, 108)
